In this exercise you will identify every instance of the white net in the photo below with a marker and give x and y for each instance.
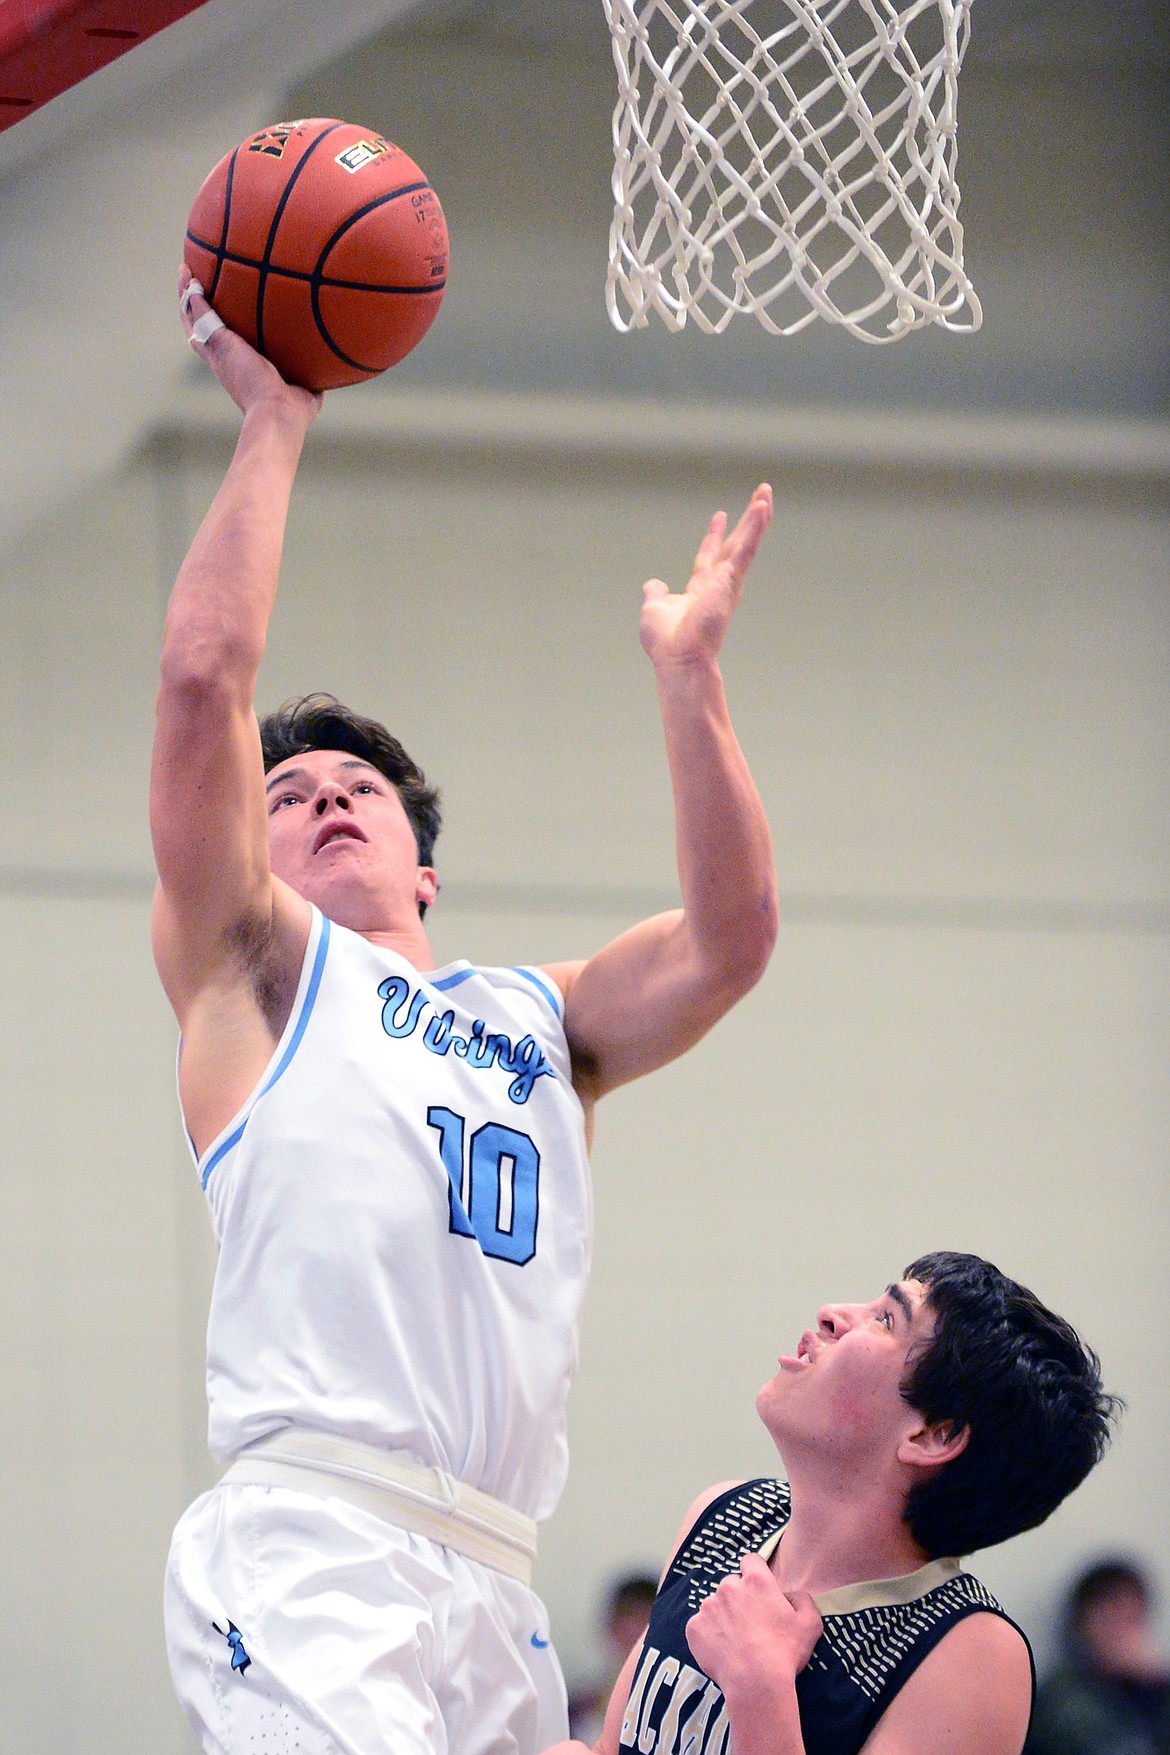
(791, 159)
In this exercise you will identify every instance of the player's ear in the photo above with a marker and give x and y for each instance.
(427, 885)
(931, 1443)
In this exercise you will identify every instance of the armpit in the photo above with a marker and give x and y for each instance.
(252, 949)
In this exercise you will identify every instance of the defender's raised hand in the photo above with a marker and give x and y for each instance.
(684, 626)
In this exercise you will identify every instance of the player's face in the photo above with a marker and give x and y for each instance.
(338, 834)
(840, 1390)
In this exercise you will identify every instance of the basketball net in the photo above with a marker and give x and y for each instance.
(791, 159)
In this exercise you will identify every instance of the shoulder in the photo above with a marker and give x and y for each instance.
(537, 984)
(728, 1519)
(972, 1694)
(694, 1515)
(562, 975)
(703, 1503)
(986, 1634)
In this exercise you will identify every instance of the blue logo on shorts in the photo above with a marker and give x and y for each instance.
(538, 1642)
(240, 1658)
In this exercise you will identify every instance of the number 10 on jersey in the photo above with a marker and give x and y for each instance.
(493, 1184)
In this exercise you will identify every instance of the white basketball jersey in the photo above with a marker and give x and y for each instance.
(403, 1212)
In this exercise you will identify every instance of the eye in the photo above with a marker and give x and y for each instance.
(281, 799)
(364, 786)
(887, 1316)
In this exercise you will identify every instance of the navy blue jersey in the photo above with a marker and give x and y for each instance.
(874, 1637)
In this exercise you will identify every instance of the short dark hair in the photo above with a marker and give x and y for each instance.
(1027, 1388)
(321, 722)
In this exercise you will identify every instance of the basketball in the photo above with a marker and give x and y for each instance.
(324, 246)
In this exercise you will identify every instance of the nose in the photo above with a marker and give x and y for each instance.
(835, 1319)
(331, 795)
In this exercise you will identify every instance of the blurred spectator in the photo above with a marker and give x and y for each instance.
(1110, 1694)
(627, 1610)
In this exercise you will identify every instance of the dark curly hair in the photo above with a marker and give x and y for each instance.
(1027, 1388)
(321, 722)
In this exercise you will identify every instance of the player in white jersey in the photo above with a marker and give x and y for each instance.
(394, 1155)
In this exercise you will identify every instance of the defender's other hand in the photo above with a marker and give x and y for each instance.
(749, 1635)
(680, 627)
(245, 374)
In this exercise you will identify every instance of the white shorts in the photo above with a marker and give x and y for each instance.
(305, 1626)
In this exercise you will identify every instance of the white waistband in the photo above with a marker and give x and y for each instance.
(396, 1488)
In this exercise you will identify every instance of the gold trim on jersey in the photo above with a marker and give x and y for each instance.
(875, 1593)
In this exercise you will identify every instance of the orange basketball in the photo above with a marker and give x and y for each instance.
(324, 246)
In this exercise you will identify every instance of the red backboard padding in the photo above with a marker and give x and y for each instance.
(48, 45)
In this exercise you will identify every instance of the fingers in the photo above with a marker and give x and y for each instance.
(186, 279)
(205, 327)
(737, 550)
(199, 320)
(807, 1618)
(740, 547)
(709, 549)
(190, 294)
(247, 376)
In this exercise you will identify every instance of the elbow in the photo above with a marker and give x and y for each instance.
(193, 704)
(198, 675)
(745, 947)
(759, 940)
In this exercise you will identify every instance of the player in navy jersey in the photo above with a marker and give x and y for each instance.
(829, 1615)
(394, 1155)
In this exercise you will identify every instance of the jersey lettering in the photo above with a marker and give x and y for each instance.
(493, 1188)
(699, 1734)
(689, 1682)
(663, 1676)
(629, 1730)
(403, 1010)
(692, 1737)
(719, 1736)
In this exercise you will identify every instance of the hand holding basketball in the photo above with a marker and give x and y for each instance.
(245, 374)
(684, 626)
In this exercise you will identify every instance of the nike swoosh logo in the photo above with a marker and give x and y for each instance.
(538, 1642)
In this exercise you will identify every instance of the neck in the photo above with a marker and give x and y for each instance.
(406, 936)
(393, 924)
(840, 1532)
(410, 942)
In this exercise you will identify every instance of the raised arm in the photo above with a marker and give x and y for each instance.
(658, 988)
(207, 811)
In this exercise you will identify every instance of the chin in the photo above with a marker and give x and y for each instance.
(340, 895)
(362, 907)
